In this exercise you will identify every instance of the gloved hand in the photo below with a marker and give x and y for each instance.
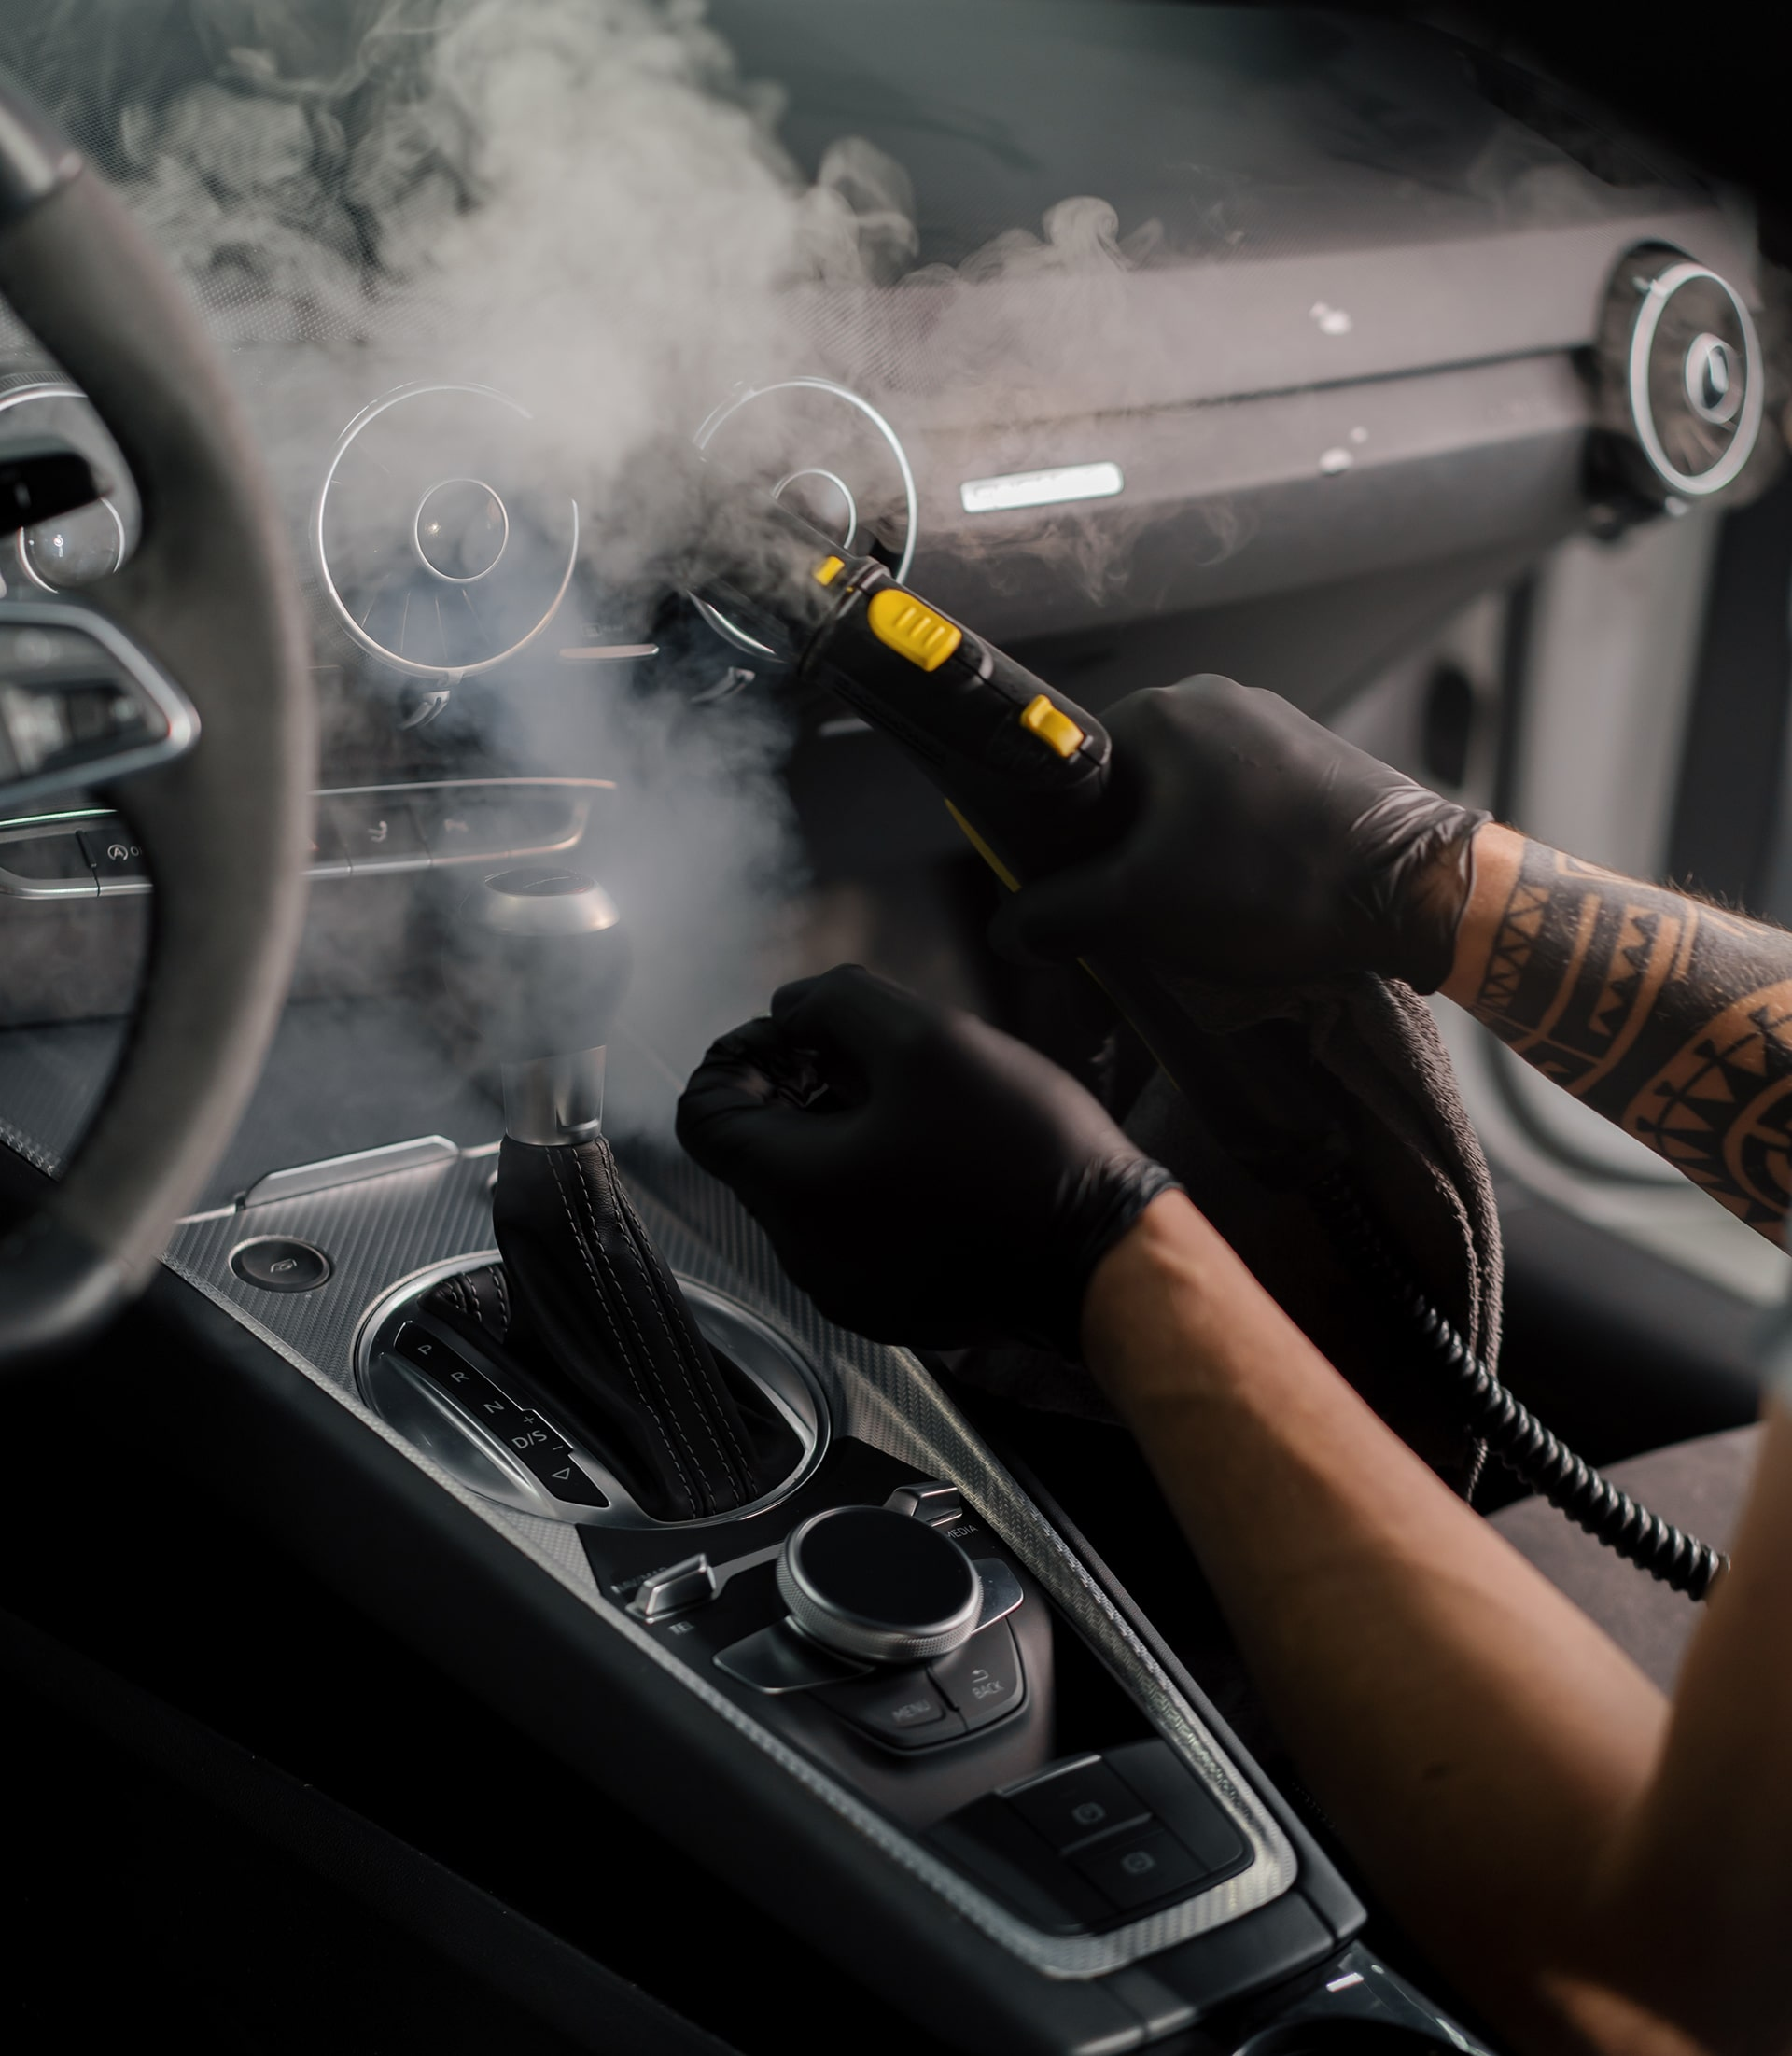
(1263, 850)
(924, 1178)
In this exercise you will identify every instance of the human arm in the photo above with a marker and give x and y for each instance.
(1596, 1877)
(1595, 1872)
(1265, 851)
(1671, 1016)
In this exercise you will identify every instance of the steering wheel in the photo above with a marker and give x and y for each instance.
(211, 601)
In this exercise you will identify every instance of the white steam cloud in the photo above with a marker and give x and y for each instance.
(584, 204)
(581, 204)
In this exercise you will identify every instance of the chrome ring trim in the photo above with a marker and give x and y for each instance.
(512, 1485)
(503, 541)
(705, 434)
(1695, 485)
(370, 413)
(37, 578)
(809, 383)
(833, 477)
(59, 389)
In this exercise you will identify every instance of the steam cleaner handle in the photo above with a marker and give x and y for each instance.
(1030, 776)
(1026, 770)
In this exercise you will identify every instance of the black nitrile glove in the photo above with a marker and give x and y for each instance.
(1263, 850)
(924, 1178)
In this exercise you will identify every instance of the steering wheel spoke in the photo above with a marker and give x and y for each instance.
(81, 706)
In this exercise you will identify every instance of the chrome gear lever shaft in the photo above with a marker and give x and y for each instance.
(539, 962)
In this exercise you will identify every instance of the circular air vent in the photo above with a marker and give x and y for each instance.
(831, 456)
(438, 548)
(1682, 376)
(75, 548)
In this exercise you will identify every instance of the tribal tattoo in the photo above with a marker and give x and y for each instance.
(1671, 1016)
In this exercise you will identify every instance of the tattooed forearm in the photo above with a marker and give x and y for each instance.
(1673, 1017)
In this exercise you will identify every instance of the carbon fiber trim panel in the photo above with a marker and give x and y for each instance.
(383, 1230)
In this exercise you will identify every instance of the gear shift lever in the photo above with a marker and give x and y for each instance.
(541, 964)
(583, 1302)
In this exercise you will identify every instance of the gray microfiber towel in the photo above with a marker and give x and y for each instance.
(1415, 1161)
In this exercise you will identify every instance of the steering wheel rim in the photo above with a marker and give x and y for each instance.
(211, 595)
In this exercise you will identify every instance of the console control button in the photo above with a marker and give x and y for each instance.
(929, 1499)
(279, 1263)
(1139, 1865)
(114, 853)
(984, 1679)
(379, 832)
(691, 1583)
(1077, 1804)
(1001, 1592)
(905, 1708)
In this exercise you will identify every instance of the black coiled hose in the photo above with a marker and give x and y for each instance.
(1513, 1433)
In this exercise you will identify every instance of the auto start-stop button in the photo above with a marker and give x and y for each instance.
(280, 1263)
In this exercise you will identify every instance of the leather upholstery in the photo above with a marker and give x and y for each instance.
(584, 1304)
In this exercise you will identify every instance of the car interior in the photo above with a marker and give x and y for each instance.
(407, 412)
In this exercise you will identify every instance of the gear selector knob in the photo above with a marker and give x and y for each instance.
(537, 962)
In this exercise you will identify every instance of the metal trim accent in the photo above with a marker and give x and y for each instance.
(19, 828)
(390, 1386)
(1057, 485)
(328, 1171)
(1696, 485)
(370, 413)
(159, 690)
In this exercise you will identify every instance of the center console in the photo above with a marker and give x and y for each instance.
(755, 1576)
(1032, 1825)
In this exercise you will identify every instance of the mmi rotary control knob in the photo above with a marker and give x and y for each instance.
(874, 1583)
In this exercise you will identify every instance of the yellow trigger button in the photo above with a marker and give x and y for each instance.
(829, 570)
(1056, 730)
(926, 639)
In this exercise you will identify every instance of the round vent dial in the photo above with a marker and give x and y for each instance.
(1681, 373)
(438, 550)
(88, 542)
